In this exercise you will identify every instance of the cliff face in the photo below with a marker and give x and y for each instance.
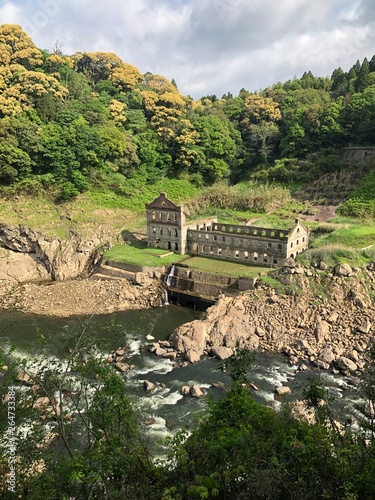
(325, 318)
(30, 255)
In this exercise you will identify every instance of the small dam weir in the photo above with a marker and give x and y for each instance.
(200, 290)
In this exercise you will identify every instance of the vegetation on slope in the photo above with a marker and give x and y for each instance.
(90, 121)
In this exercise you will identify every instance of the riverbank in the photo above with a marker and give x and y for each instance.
(324, 317)
(312, 314)
(78, 297)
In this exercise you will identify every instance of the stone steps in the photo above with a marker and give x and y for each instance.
(100, 276)
(115, 272)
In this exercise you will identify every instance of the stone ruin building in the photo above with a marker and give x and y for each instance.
(167, 228)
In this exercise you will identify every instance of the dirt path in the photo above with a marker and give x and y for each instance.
(323, 213)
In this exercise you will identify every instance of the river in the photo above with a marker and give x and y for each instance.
(165, 409)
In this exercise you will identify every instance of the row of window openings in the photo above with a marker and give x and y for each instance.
(240, 242)
(255, 232)
(303, 241)
(256, 257)
(169, 231)
(169, 217)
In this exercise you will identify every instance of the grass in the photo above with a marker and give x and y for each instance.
(342, 242)
(362, 200)
(338, 254)
(90, 212)
(243, 197)
(58, 220)
(135, 197)
(139, 254)
(224, 267)
(354, 236)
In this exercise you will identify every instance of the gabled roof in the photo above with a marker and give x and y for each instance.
(162, 202)
(296, 225)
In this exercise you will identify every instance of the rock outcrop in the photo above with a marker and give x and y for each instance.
(33, 256)
(324, 319)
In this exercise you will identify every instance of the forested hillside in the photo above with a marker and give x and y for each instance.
(69, 123)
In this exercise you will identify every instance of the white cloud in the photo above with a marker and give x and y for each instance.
(209, 47)
(10, 13)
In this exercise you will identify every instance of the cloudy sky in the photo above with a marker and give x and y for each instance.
(207, 46)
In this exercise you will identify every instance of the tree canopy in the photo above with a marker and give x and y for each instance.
(87, 115)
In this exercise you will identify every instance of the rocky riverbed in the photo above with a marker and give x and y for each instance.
(326, 317)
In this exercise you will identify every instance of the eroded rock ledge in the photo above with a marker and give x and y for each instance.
(29, 255)
(326, 319)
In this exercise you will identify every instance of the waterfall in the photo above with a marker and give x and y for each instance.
(166, 302)
(170, 276)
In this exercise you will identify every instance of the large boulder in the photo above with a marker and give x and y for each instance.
(322, 330)
(192, 356)
(283, 390)
(190, 337)
(185, 390)
(148, 386)
(365, 326)
(326, 355)
(122, 367)
(291, 263)
(346, 364)
(196, 391)
(221, 352)
(343, 270)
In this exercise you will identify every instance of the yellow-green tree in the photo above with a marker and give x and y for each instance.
(16, 47)
(125, 76)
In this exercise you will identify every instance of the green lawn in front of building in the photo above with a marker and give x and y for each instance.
(139, 254)
(225, 267)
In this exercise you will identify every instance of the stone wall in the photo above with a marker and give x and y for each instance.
(199, 283)
(358, 154)
(231, 246)
(133, 268)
